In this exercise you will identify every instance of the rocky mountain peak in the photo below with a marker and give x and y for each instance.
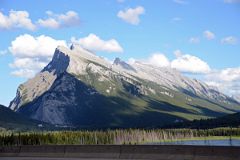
(75, 46)
(123, 64)
(117, 61)
(60, 61)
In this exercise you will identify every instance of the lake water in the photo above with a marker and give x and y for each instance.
(225, 142)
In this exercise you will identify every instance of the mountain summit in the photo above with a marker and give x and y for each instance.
(78, 88)
(124, 65)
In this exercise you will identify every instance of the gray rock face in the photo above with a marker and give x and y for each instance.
(32, 89)
(59, 104)
(59, 63)
(123, 64)
(78, 88)
(36, 86)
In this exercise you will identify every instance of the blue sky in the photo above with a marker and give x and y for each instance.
(199, 38)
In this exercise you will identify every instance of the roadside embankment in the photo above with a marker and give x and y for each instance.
(160, 152)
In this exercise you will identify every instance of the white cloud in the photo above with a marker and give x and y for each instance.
(16, 19)
(194, 40)
(131, 15)
(231, 1)
(209, 35)
(29, 46)
(189, 64)
(94, 43)
(229, 40)
(49, 23)
(180, 1)
(183, 62)
(159, 59)
(227, 75)
(31, 54)
(27, 63)
(54, 21)
(27, 67)
(226, 80)
(24, 73)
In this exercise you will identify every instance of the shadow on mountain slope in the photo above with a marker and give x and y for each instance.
(71, 102)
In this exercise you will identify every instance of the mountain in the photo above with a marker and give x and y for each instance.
(230, 120)
(78, 88)
(10, 120)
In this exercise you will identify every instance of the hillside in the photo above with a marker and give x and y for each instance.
(231, 120)
(10, 120)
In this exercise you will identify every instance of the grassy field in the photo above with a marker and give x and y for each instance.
(130, 136)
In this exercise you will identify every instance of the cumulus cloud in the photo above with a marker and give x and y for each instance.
(24, 73)
(54, 21)
(209, 35)
(29, 46)
(226, 80)
(229, 40)
(159, 59)
(189, 64)
(31, 54)
(194, 40)
(183, 62)
(27, 67)
(27, 63)
(95, 43)
(49, 23)
(131, 15)
(16, 19)
(227, 75)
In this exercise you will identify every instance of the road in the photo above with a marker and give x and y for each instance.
(44, 158)
(111, 152)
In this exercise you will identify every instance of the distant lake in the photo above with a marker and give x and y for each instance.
(209, 142)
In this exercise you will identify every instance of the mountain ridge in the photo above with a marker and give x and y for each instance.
(139, 88)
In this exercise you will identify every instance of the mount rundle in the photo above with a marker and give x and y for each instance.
(79, 89)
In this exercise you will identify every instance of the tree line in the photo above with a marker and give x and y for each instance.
(129, 136)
